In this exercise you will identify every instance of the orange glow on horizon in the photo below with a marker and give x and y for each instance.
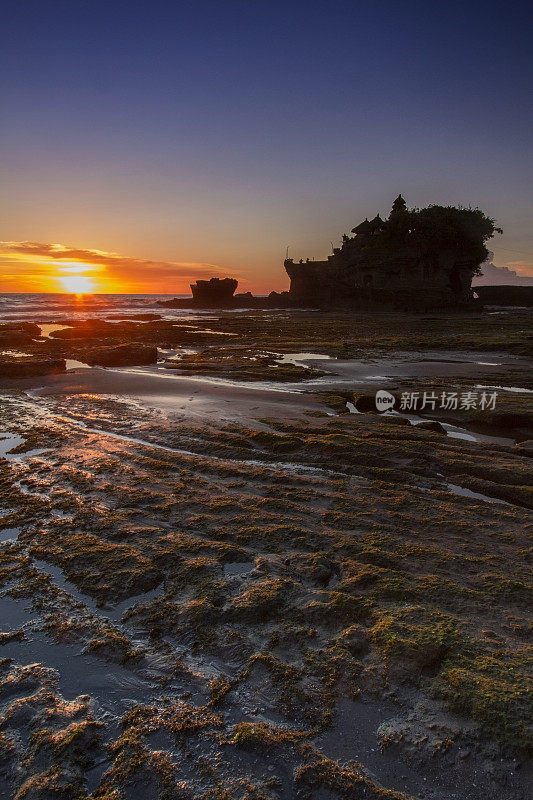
(44, 267)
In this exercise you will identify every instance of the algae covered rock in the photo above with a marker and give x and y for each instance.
(124, 355)
(30, 367)
(13, 334)
(355, 640)
(431, 425)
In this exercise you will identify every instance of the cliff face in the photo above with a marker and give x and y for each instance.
(414, 261)
(402, 281)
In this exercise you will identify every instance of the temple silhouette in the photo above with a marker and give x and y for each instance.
(416, 260)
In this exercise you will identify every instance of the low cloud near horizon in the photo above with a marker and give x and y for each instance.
(499, 276)
(29, 266)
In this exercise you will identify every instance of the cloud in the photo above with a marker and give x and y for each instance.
(112, 268)
(494, 276)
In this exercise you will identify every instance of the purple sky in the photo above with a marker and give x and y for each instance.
(205, 137)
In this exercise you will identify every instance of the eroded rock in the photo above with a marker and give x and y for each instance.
(431, 425)
(124, 355)
(30, 367)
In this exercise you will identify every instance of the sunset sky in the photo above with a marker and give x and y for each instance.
(145, 144)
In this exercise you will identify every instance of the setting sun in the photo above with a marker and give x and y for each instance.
(77, 284)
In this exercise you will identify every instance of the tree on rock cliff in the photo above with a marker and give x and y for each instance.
(436, 229)
(433, 232)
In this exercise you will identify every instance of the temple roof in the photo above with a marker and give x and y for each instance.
(363, 227)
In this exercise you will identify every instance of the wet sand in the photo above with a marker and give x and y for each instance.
(230, 399)
(182, 396)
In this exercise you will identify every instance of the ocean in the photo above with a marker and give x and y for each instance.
(40, 307)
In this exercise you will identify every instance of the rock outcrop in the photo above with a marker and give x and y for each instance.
(31, 367)
(416, 260)
(93, 329)
(241, 300)
(31, 328)
(15, 334)
(124, 355)
(216, 293)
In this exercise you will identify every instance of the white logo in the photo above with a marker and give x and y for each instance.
(384, 400)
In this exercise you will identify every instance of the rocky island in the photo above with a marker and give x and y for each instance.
(214, 292)
(220, 293)
(416, 260)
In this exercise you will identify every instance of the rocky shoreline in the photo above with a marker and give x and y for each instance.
(225, 560)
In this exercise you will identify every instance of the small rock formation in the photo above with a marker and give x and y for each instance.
(93, 329)
(365, 403)
(241, 300)
(14, 339)
(31, 367)
(279, 300)
(416, 260)
(505, 295)
(245, 298)
(216, 293)
(30, 328)
(124, 355)
(431, 425)
(14, 334)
